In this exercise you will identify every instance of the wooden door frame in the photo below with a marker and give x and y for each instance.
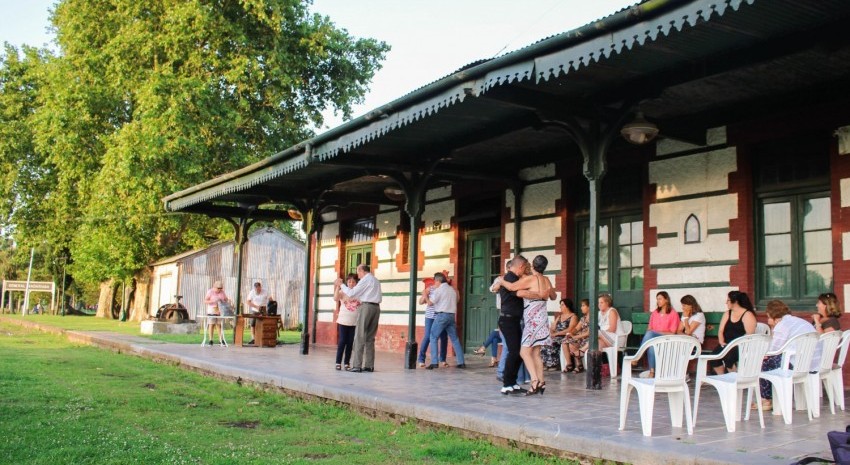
(464, 261)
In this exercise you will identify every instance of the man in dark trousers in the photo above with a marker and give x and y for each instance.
(510, 323)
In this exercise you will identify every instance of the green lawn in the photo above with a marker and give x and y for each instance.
(63, 403)
(90, 323)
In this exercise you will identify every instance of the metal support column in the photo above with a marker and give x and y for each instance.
(316, 277)
(414, 207)
(308, 224)
(241, 237)
(517, 188)
(593, 139)
(414, 191)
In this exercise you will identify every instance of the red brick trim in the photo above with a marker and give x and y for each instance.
(839, 169)
(650, 240)
(741, 228)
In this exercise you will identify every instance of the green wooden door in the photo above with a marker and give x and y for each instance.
(620, 262)
(483, 264)
(356, 255)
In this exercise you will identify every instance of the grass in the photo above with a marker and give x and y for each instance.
(90, 323)
(64, 403)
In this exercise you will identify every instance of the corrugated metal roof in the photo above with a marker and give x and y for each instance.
(594, 59)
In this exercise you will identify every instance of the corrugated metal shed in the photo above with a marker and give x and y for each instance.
(271, 258)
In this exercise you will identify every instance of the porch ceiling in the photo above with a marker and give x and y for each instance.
(699, 64)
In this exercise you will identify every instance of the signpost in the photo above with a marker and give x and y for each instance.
(27, 287)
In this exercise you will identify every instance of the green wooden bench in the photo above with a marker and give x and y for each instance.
(640, 323)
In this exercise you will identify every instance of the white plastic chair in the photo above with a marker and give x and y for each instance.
(784, 379)
(836, 377)
(624, 329)
(762, 328)
(672, 355)
(827, 345)
(730, 386)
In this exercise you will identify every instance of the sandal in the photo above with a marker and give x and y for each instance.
(479, 351)
(347, 367)
(338, 367)
(444, 364)
(578, 369)
(493, 362)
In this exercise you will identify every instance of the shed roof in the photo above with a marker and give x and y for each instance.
(195, 252)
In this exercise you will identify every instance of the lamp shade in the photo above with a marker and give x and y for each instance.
(639, 131)
(394, 193)
(294, 214)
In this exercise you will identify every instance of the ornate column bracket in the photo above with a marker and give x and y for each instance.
(593, 138)
(309, 209)
(415, 186)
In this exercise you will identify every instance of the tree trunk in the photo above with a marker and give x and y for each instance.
(139, 301)
(104, 302)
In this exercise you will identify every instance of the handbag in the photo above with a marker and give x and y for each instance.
(225, 308)
(839, 443)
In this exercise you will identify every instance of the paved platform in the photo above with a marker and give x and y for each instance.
(568, 418)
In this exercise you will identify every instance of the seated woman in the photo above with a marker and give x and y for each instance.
(492, 341)
(829, 310)
(563, 325)
(739, 320)
(693, 320)
(785, 326)
(664, 320)
(609, 321)
(577, 342)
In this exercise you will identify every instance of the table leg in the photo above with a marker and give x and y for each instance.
(206, 329)
(221, 337)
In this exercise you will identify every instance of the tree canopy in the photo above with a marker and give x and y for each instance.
(147, 97)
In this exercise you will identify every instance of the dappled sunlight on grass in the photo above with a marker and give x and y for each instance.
(91, 323)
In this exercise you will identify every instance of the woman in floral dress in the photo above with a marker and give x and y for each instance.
(563, 325)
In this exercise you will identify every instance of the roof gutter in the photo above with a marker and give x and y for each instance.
(622, 18)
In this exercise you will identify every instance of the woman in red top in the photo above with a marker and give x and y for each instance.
(664, 320)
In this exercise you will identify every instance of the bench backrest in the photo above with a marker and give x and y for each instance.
(640, 323)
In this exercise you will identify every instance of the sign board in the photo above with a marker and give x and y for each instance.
(34, 286)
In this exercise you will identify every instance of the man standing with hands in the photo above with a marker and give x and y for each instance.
(444, 300)
(510, 323)
(258, 300)
(368, 292)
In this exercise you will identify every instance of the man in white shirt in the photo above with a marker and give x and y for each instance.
(258, 300)
(368, 292)
(444, 300)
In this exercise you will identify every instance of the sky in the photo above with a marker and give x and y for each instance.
(430, 39)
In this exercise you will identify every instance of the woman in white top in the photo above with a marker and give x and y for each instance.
(693, 320)
(346, 323)
(609, 321)
(784, 327)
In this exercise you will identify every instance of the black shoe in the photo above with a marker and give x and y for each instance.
(462, 365)
(251, 342)
(368, 370)
(432, 366)
(356, 370)
(519, 390)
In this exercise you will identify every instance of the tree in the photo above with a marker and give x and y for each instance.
(149, 97)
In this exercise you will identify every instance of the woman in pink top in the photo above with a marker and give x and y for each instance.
(664, 320)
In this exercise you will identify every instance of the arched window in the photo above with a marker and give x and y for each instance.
(692, 230)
